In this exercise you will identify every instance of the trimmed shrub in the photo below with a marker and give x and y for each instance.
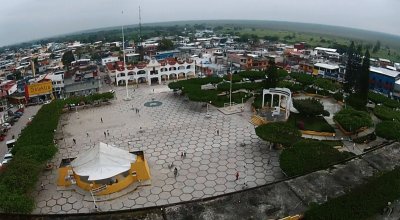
(309, 155)
(352, 120)
(385, 113)
(279, 133)
(310, 123)
(309, 107)
(381, 99)
(389, 130)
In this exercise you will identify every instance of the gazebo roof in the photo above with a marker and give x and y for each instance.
(102, 161)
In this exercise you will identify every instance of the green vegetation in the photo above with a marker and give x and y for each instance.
(309, 155)
(310, 123)
(385, 113)
(326, 84)
(362, 202)
(389, 130)
(32, 150)
(309, 107)
(279, 133)
(352, 120)
(381, 99)
(67, 58)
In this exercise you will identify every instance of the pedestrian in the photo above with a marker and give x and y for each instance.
(42, 186)
(87, 134)
(218, 132)
(181, 155)
(184, 154)
(237, 175)
(73, 139)
(108, 133)
(153, 90)
(101, 119)
(269, 161)
(105, 135)
(175, 172)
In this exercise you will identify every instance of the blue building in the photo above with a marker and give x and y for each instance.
(383, 80)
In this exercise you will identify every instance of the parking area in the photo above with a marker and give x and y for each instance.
(15, 129)
(166, 126)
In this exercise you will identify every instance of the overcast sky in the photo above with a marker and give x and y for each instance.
(23, 20)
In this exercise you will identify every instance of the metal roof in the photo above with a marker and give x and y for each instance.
(384, 71)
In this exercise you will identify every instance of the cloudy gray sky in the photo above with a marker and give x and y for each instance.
(22, 20)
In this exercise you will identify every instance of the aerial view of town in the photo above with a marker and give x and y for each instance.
(200, 110)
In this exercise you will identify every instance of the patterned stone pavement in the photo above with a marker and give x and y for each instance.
(216, 148)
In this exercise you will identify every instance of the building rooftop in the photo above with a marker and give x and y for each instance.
(384, 71)
(327, 66)
(326, 49)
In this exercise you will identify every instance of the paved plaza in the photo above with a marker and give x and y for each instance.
(166, 125)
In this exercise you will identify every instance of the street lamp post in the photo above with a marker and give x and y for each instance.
(230, 85)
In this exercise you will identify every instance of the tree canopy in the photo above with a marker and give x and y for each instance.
(279, 133)
(309, 107)
(67, 58)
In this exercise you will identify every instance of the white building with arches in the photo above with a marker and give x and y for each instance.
(152, 72)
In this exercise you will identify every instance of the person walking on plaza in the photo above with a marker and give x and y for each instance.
(87, 134)
(108, 133)
(73, 139)
(182, 155)
(105, 134)
(175, 172)
(237, 175)
(218, 132)
(101, 119)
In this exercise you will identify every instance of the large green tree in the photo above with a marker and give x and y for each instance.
(67, 58)
(272, 74)
(166, 44)
(279, 133)
(363, 79)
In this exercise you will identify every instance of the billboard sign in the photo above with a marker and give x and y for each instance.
(38, 89)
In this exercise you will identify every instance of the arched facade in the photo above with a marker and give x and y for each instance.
(152, 70)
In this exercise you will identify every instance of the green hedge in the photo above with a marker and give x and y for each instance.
(32, 150)
(385, 113)
(310, 123)
(362, 202)
(352, 120)
(389, 130)
(303, 78)
(279, 133)
(309, 107)
(309, 155)
(381, 99)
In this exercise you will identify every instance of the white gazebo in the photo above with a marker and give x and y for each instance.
(103, 161)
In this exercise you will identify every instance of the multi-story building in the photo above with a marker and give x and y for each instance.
(383, 80)
(152, 72)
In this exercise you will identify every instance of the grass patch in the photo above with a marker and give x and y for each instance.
(317, 123)
(309, 155)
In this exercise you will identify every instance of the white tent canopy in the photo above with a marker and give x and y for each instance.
(102, 161)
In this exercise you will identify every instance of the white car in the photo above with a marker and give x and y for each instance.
(47, 102)
(6, 125)
(6, 159)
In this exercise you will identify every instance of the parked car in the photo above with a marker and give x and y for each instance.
(47, 102)
(6, 125)
(18, 114)
(6, 159)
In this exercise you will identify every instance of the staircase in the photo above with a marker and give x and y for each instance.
(257, 120)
